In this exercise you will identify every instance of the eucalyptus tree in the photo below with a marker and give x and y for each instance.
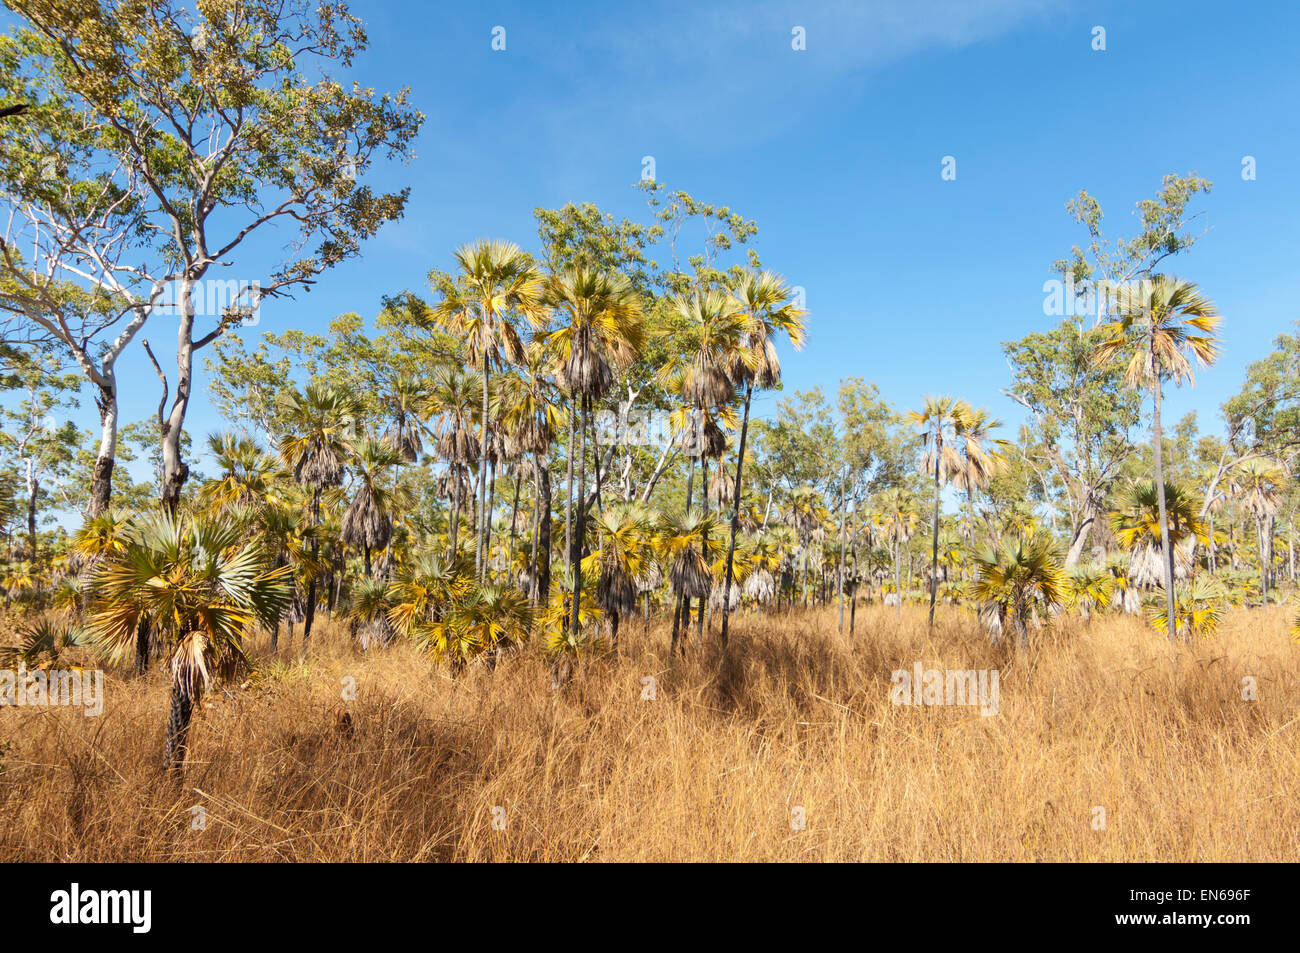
(178, 134)
(1164, 324)
(496, 283)
(768, 309)
(940, 422)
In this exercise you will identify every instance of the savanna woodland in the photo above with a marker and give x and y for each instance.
(517, 542)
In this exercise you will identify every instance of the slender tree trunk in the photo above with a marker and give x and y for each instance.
(934, 552)
(514, 514)
(1166, 550)
(839, 568)
(101, 479)
(735, 514)
(487, 521)
(175, 470)
(568, 486)
(898, 576)
(33, 491)
(544, 533)
(454, 528)
(479, 555)
(309, 613)
(575, 555)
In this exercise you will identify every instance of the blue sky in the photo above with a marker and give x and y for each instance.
(835, 151)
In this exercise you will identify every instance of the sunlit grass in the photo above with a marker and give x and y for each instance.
(1100, 715)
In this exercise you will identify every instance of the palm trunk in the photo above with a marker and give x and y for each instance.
(479, 555)
(575, 555)
(454, 528)
(568, 488)
(735, 514)
(898, 577)
(1166, 550)
(514, 514)
(544, 534)
(178, 729)
(839, 570)
(934, 552)
(309, 613)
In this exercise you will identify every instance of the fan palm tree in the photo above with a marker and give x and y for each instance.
(368, 520)
(200, 584)
(940, 421)
(452, 402)
(408, 407)
(1020, 577)
(367, 611)
(1162, 327)
(529, 415)
(1201, 605)
(321, 420)
(680, 544)
(1257, 483)
(621, 557)
(898, 519)
(766, 310)
(1138, 527)
(497, 281)
(983, 458)
(602, 331)
(246, 472)
(1092, 589)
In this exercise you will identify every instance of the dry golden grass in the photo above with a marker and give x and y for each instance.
(1104, 715)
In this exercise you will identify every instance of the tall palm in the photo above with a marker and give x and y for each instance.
(368, 520)
(705, 368)
(940, 422)
(767, 310)
(408, 407)
(898, 519)
(602, 331)
(1163, 325)
(452, 403)
(321, 419)
(1258, 483)
(199, 583)
(681, 540)
(983, 458)
(529, 416)
(497, 281)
